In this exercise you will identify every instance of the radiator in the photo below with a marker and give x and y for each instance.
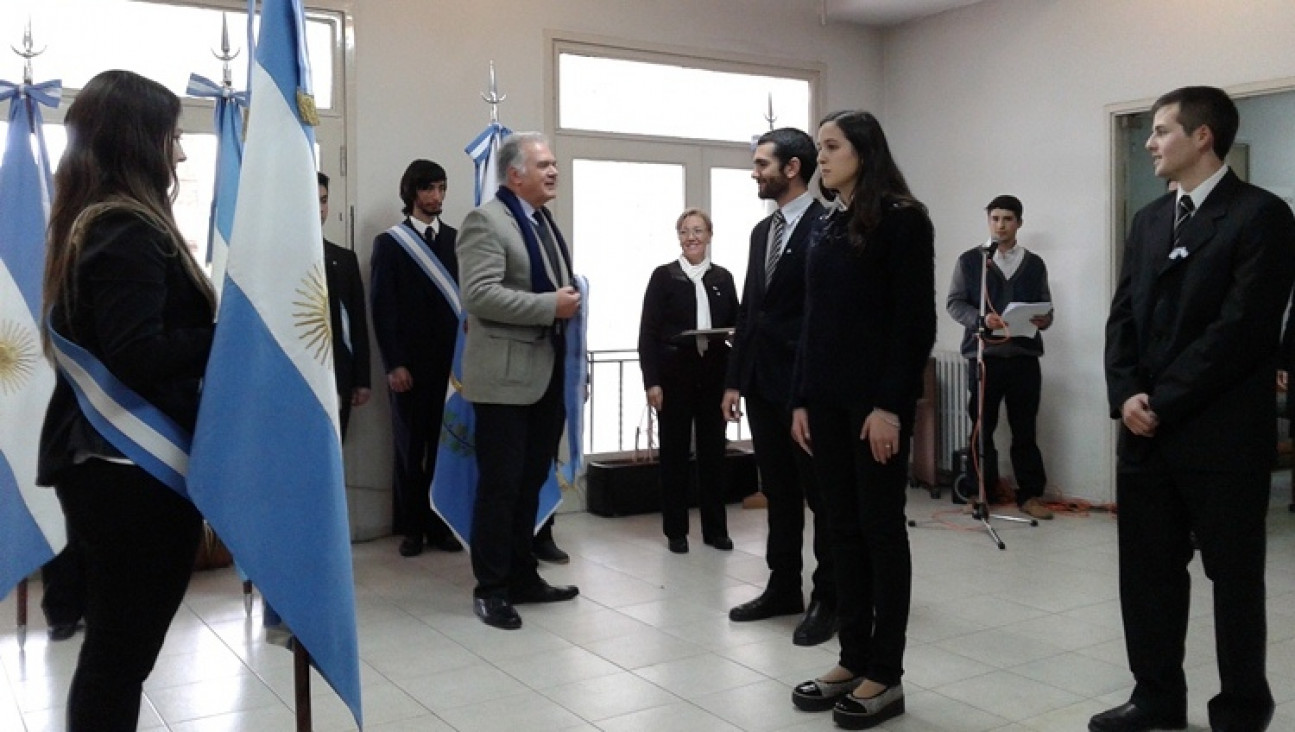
(954, 427)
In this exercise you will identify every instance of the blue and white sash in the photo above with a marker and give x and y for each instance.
(429, 263)
(141, 431)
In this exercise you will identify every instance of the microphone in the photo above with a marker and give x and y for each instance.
(993, 245)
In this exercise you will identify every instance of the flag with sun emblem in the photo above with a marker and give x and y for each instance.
(31, 522)
(266, 463)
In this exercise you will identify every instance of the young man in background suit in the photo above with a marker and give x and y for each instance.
(350, 324)
(416, 328)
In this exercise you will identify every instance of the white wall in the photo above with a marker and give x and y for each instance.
(1012, 96)
(422, 64)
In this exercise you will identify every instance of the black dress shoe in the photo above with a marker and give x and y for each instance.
(543, 592)
(548, 551)
(678, 544)
(496, 612)
(817, 626)
(1130, 717)
(448, 543)
(852, 712)
(722, 543)
(411, 546)
(767, 606)
(63, 631)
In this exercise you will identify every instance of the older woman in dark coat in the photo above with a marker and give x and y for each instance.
(684, 378)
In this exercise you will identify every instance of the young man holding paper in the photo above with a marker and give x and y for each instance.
(1016, 277)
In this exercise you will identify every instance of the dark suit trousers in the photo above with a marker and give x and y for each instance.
(516, 445)
(416, 430)
(787, 480)
(137, 540)
(63, 580)
(691, 399)
(1016, 380)
(869, 534)
(1159, 510)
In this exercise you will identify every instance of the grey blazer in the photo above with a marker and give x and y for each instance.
(508, 355)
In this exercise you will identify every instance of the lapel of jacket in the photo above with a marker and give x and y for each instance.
(1199, 230)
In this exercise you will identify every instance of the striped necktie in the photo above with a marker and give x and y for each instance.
(775, 246)
(1185, 210)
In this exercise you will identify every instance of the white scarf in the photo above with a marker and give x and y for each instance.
(695, 272)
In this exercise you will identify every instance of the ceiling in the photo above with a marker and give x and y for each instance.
(887, 12)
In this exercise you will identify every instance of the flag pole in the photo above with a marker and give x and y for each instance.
(301, 684)
(27, 55)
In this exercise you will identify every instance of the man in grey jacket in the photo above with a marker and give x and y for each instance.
(516, 282)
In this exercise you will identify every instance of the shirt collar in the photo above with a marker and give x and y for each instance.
(1202, 191)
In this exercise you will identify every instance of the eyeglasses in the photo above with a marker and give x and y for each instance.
(695, 231)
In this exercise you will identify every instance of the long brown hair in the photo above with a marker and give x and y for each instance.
(879, 182)
(120, 153)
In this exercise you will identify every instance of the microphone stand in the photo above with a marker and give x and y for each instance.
(980, 506)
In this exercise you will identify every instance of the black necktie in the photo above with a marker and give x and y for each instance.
(775, 246)
(550, 249)
(1185, 210)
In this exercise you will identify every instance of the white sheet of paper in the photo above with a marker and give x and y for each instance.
(1017, 317)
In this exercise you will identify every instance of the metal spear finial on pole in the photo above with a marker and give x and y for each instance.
(224, 56)
(493, 97)
(27, 53)
(769, 116)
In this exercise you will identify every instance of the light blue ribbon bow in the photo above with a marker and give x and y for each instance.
(47, 92)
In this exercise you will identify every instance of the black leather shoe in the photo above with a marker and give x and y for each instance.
(722, 543)
(678, 544)
(767, 606)
(447, 543)
(819, 696)
(548, 551)
(496, 612)
(63, 631)
(1130, 717)
(411, 546)
(818, 625)
(543, 592)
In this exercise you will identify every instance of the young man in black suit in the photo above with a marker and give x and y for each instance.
(350, 325)
(416, 328)
(759, 370)
(1191, 349)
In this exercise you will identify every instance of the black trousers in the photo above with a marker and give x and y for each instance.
(415, 431)
(787, 480)
(1159, 511)
(874, 568)
(63, 580)
(137, 540)
(516, 445)
(1017, 381)
(691, 398)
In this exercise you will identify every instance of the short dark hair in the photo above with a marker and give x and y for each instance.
(419, 175)
(1007, 203)
(790, 143)
(322, 177)
(1205, 105)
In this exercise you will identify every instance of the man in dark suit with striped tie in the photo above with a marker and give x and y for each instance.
(416, 328)
(1191, 353)
(759, 371)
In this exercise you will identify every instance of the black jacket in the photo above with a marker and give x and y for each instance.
(346, 293)
(669, 308)
(869, 315)
(137, 311)
(413, 324)
(769, 319)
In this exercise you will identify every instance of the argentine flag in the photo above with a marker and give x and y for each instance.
(484, 151)
(31, 521)
(229, 158)
(266, 463)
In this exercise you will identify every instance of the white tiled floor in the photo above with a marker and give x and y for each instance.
(1023, 639)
